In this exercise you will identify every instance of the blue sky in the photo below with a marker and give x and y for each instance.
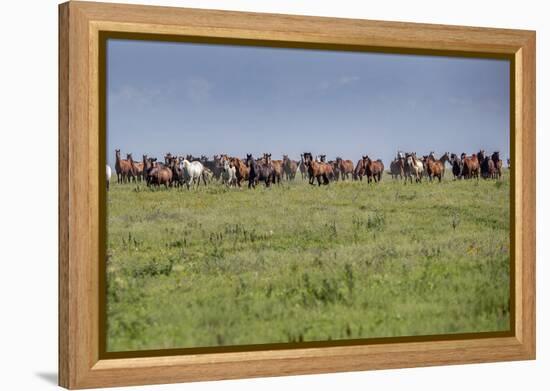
(207, 99)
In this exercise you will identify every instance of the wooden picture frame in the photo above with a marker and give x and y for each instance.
(81, 364)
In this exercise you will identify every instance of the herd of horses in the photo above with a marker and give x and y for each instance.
(476, 165)
(176, 171)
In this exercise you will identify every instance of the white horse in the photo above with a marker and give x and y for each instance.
(413, 167)
(108, 176)
(193, 172)
(229, 174)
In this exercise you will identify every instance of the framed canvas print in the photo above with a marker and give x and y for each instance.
(248, 195)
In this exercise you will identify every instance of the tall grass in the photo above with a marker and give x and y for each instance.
(214, 266)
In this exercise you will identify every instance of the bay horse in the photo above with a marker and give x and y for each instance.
(149, 164)
(345, 167)
(316, 170)
(373, 169)
(122, 167)
(132, 173)
(160, 174)
(178, 176)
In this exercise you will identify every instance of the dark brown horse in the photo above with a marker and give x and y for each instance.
(360, 168)
(261, 170)
(487, 167)
(457, 166)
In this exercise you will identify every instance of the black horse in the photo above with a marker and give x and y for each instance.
(259, 171)
(457, 166)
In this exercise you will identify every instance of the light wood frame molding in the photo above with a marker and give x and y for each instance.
(80, 24)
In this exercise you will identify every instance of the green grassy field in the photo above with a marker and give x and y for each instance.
(219, 266)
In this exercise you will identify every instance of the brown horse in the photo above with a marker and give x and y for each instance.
(160, 174)
(302, 167)
(470, 168)
(373, 169)
(396, 168)
(278, 169)
(360, 168)
(122, 167)
(495, 157)
(345, 167)
(289, 167)
(317, 170)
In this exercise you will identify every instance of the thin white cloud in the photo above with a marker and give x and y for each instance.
(339, 82)
(193, 89)
(198, 89)
(135, 95)
(348, 79)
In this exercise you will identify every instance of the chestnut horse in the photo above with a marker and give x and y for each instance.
(470, 168)
(278, 168)
(436, 167)
(241, 169)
